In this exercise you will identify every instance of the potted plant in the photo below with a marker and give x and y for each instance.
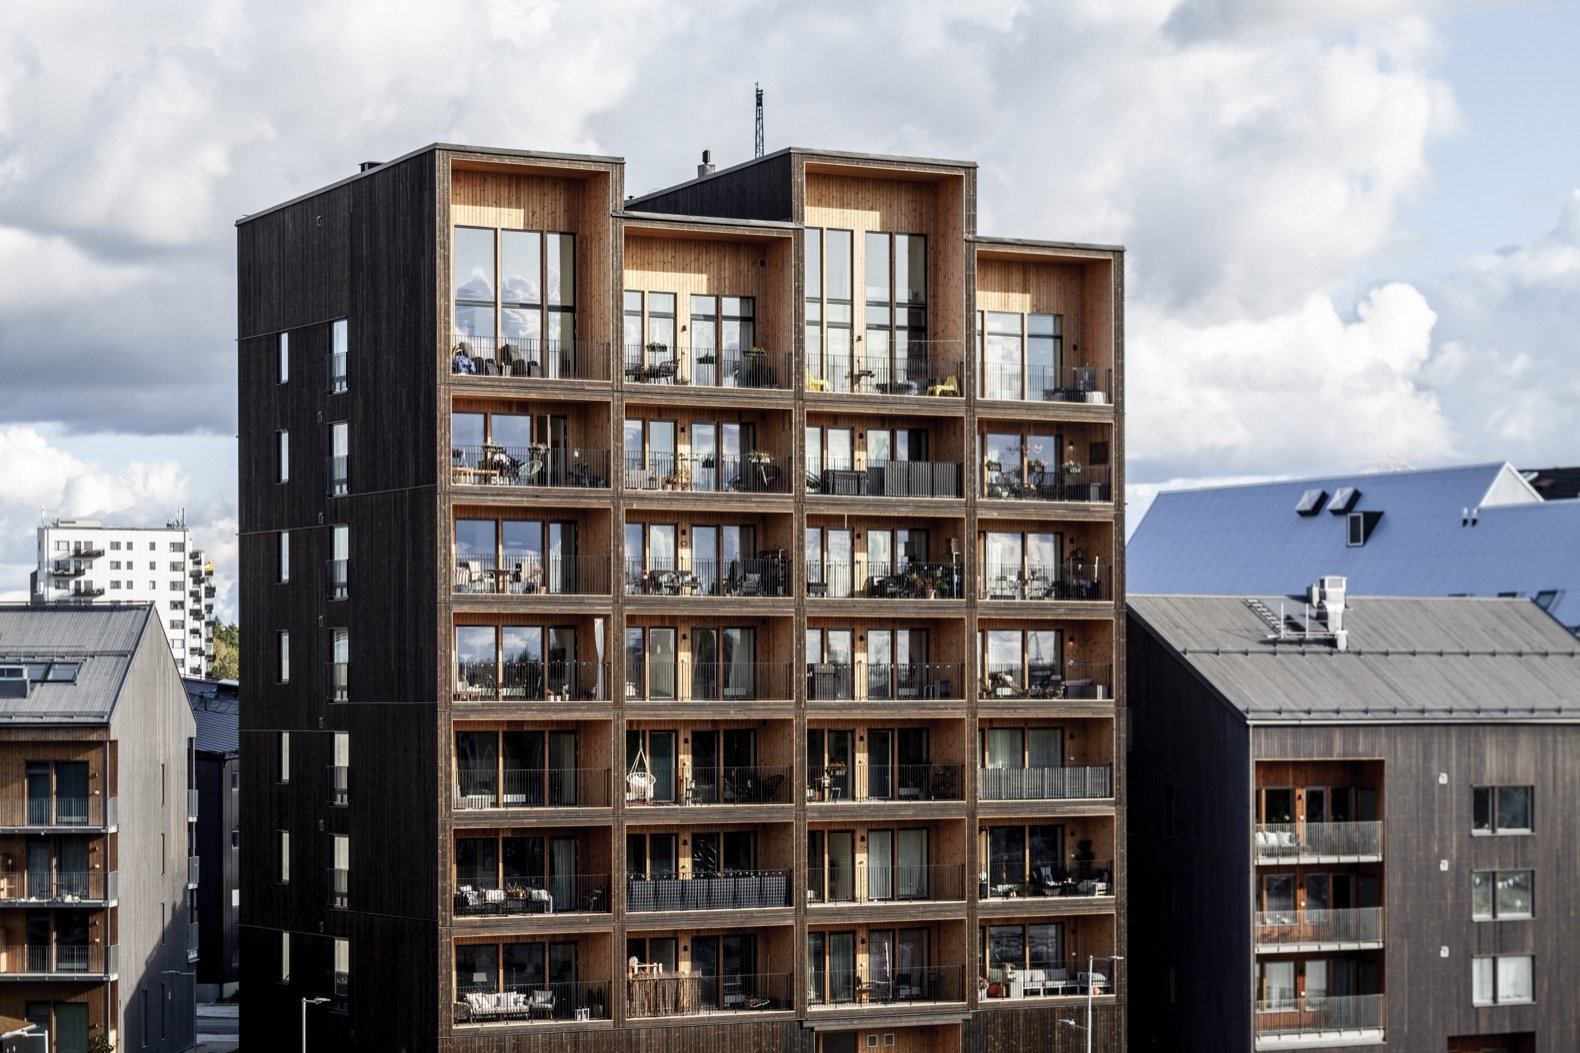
(1035, 465)
(994, 466)
(1071, 467)
(657, 347)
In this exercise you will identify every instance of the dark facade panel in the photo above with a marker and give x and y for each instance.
(760, 190)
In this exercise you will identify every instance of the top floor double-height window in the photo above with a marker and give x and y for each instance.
(894, 356)
(829, 308)
(1022, 356)
(515, 303)
(1502, 809)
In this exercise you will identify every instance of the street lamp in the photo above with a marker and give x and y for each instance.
(320, 1001)
(1091, 961)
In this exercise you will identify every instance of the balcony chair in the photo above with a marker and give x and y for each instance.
(541, 1005)
(510, 363)
(815, 383)
(950, 386)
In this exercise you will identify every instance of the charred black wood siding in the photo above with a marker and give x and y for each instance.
(757, 191)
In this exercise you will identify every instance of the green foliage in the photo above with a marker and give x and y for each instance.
(227, 652)
(101, 1043)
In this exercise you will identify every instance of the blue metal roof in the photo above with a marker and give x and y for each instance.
(1248, 540)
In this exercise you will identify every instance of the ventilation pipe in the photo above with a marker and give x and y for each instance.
(1327, 595)
(707, 167)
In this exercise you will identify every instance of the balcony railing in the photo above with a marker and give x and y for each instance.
(338, 885)
(339, 681)
(1077, 680)
(1045, 784)
(919, 368)
(18, 811)
(740, 890)
(336, 578)
(1044, 979)
(938, 983)
(67, 569)
(1047, 384)
(766, 576)
(532, 359)
(194, 799)
(532, 788)
(705, 367)
(1087, 483)
(27, 888)
(524, 1003)
(335, 469)
(764, 474)
(557, 681)
(897, 883)
(1316, 842)
(911, 580)
(339, 784)
(689, 681)
(690, 994)
(1283, 928)
(491, 465)
(880, 681)
(1293, 1015)
(529, 574)
(1078, 877)
(891, 479)
(1059, 581)
(756, 784)
(887, 782)
(59, 959)
(560, 894)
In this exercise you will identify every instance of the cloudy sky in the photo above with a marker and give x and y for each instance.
(1353, 225)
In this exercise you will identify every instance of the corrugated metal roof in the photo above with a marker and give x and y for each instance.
(101, 637)
(1248, 540)
(1409, 659)
(217, 712)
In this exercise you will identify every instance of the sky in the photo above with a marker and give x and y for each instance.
(1352, 226)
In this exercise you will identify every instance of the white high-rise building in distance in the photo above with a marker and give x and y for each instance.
(84, 561)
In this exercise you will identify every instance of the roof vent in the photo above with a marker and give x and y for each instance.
(1344, 499)
(707, 167)
(1310, 502)
(367, 165)
(1361, 525)
(1327, 596)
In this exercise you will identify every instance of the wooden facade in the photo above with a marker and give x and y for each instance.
(431, 682)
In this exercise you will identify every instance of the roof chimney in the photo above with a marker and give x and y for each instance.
(707, 166)
(365, 165)
(1327, 595)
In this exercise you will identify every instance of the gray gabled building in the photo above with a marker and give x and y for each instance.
(1355, 827)
(96, 872)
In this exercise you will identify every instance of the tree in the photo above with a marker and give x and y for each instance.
(227, 652)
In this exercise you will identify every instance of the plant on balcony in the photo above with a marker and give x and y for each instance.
(656, 347)
(680, 478)
(835, 770)
(1071, 467)
(994, 466)
(1035, 464)
(515, 891)
(760, 457)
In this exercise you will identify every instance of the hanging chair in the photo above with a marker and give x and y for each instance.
(639, 781)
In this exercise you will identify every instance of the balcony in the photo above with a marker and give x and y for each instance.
(1077, 483)
(1319, 930)
(1293, 1021)
(912, 580)
(533, 466)
(560, 894)
(59, 961)
(337, 578)
(1088, 384)
(1060, 581)
(757, 784)
(907, 479)
(339, 681)
(531, 788)
(1318, 842)
(691, 994)
(336, 477)
(20, 888)
(193, 800)
(1079, 680)
(558, 681)
(67, 569)
(87, 591)
(339, 785)
(886, 682)
(739, 578)
(899, 883)
(919, 368)
(706, 367)
(895, 782)
(38, 814)
(741, 890)
(528, 574)
(531, 359)
(1078, 877)
(938, 983)
(338, 886)
(1072, 782)
(1048, 979)
(759, 472)
(689, 681)
(519, 1003)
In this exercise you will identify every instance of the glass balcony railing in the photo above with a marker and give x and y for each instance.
(751, 784)
(938, 983)
(864, 579)
(655, 994)
(886, 782)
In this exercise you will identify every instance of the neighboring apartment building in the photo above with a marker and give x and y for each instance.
(1354, 830)
(95, 753)
(83, 561)
(217, 764)
(1478, 530)
(653, 642)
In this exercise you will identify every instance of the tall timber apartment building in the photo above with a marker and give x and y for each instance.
(686, 622)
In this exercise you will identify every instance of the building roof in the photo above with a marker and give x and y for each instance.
(217, 712)
(1430, 659)
(1478, 530)
(99, 638)
(1554, 484)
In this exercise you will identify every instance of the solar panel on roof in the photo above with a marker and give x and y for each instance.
(1310, 502)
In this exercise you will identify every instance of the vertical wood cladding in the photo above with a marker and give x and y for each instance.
(760, 189)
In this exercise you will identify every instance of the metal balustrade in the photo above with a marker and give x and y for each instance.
(25, 887)
(531, 788)
(886, 782)
(1033, 482)
(752, 784)
(1045, 784)
(910, 479)
(685, 680)
(920, 367)
(1027, 383)
(1293, 1015)
(937, 983)
(531, 466)
(895, 883)
(1075, 877)
(548, 1001)
(1283, 928)
(884, 681)
(1047, 680)
(557, 894)
(531, 574)
(531, 681)
(732, 890)
(1062, 581)
(1315, 841)
(683, 576)
(533, 360)
(706, 366)
(761, 472)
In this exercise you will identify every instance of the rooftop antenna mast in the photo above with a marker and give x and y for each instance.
(759, 142)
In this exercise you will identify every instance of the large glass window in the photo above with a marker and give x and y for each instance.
(829, 317)
(1502, 809)
(1022, 355)
(1500, 894)
(534, 302)
(1496, 979)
